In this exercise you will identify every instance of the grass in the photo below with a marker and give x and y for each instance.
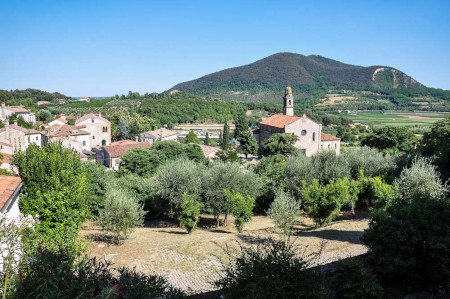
(394, 118)
(192, 261)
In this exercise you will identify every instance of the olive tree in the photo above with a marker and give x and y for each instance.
(284, 211)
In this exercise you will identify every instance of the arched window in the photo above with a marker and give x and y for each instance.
(303, 132)
(314, 136)
(289, 103)
(103, 142)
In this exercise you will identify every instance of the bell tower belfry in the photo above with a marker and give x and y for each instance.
(288, 105)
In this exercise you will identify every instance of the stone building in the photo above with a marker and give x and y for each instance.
(310, 136)
(7, 111)
(20, 138)
(69, 136)
(162, 134)
(98, 127)
(111, 155)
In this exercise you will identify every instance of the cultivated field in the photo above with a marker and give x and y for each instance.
(394, 118)
(192, 262)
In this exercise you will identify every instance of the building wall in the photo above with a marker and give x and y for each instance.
(308, 133)
(95, 127)
(17, 138)
(28, 116)
(334, 145)
(6, 149)
(267, 131)
(35, 139)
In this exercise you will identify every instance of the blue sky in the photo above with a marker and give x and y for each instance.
(100, 48)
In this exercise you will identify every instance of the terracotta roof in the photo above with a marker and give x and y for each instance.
(18, 128)
(279, 120)
(117, 151)
(89, 116)
(17, 109)
(6, 158)
(209, 150)
(328, 137)
(8, 186)
(124, 142)
(5, 144)
(64, 131)
(61, 119)
(157, 133)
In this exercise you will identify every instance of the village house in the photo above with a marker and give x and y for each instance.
(42, 103)
(209, 151)
(20, 138)
(111, 155)
(71, 137)
(61, 120)
(98, 127)
(310, 136)
(7, 111)
(163, 134)
(10, 187)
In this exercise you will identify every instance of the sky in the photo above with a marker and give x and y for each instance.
(102, 48)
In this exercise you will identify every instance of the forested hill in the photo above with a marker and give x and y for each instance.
(312, 77)
(32, 94)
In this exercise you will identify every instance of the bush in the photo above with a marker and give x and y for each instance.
(241, 208)
(420, 180)
(376, 192)
(121, 213)
(330, 167)
(352, 281)
(57, 275)
(284, 212)
(271, 269)
(190, 211)
(408, 243)
(322, 203)
(175, 178)
(299, 168)
(372, 161)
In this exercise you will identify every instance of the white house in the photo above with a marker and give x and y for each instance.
(161, 134)
(20, 137)
(98, 127)
(6, 111)
(111, 155)
(70, 137)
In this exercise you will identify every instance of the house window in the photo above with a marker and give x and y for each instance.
(314, 136)
(105, 130)
(92, 120)
(103, 142)
(335, 145)
(84, 142)
(93, 137)
(37, 137)
(321, 146)
(303, 132)
(329, 145)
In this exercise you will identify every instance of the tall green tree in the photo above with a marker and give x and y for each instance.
(192, 137)
(394, 138)
(280, 144)
(55, 188)
(247, 143)
(226, 136)
(207, 142)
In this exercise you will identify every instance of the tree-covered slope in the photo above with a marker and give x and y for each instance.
(313, 78)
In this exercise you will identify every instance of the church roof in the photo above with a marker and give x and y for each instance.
(279, 120)
(328, 137)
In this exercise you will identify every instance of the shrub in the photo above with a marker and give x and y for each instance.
(330, 167)
(394, 138)
(284, 212)
(270, 269)
(298, 168)
(190, 211)
(57, 275)
(375, 191)
(372, 161)
(352, 281)
(420, 180)
(121, 213)
(175, 178)
(241, 208)
(280, 144)
(322, 203)
(408, 242)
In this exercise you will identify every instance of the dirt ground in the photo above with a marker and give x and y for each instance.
(192, 262)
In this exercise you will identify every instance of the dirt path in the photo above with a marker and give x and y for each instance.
(193, 262)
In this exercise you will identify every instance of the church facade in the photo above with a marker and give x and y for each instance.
(310, 136)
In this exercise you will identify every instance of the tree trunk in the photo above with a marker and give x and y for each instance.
(225, 220)
(217, 220)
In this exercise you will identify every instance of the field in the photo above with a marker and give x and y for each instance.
(395, 118)
(192, 262)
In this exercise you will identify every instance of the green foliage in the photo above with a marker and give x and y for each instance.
(372, 161)
(190, 212)
(420, 180)
(144, 162)
(230, 176)
(270, 269)
(280, 144)
(393, 138)
(375, 191)
(298, 168)
(57, 275)
(408, 243)
(98, 178)
(322, 203)
(120, 213)
(241, 208)
(284, 211)
(130, 125)
(207, 141)
(352, 281)
(229, 155)
(5, 96)
(36, 95)
(330, 166)
(13, 118)
(44, 115)
(191, 137)
(225, 142)
(435, 143)
(247, 143)
(175, 178)
(273, 167)
(56, 188)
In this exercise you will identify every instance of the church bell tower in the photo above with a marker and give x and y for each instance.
(288, 106)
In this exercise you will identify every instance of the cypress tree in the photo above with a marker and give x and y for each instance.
(226, 136)
(207, 138)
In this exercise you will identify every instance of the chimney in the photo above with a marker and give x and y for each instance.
(100, 114)
(136, 138)
(15, 123)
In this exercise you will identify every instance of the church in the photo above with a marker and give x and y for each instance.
(310, 136)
